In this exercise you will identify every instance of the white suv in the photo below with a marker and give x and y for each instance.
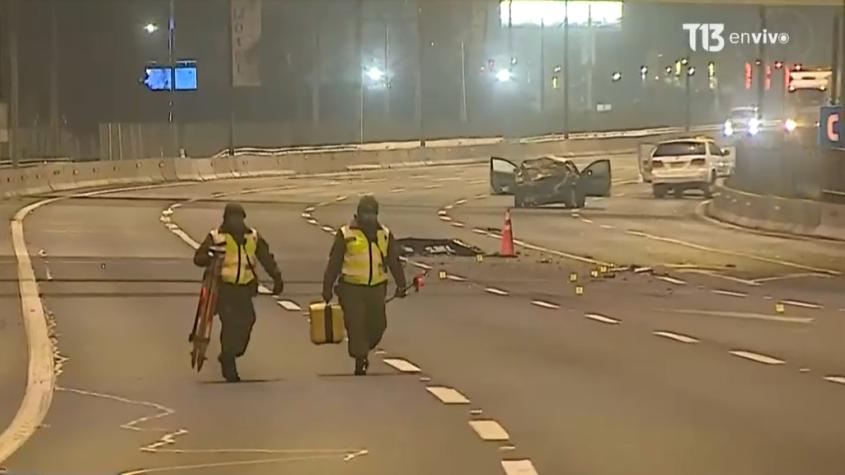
(689, 163)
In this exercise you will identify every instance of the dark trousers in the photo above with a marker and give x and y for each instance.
(237, 316)
(364, 316)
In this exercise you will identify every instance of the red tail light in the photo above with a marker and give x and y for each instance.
(656, 164)
(699, 162)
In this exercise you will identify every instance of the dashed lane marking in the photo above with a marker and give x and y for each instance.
(289, 305)
(432, 187)
(445, 218)
(749, 316)
(328, 229)
(458, 224)
(402, 365)
(397, 190)
(672, 280)
(341, 198)
(798, 303)
(717, 275)
(601, 318)
(420, 265)
(442, 212)
(447, 395)
(309, 209)
(313, 221)
(835, 379)
(519, 467)
(480, 231)
(635, 233)
(676, 337)
(489, 430)
(460, 202)
(730, 293)
(478, 182)
(476, 412)
(496, 291)
(759, 358)
(544, 304)
(607, 226)
(306, 215)
(456, 278)
(481, 196)
(588, 221)
(448, 207)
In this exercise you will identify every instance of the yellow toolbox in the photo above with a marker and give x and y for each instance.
(326, 323)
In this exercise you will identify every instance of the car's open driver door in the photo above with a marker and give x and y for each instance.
(595, 178)
(502, 176)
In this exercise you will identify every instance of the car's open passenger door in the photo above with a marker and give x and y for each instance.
(502, 176)
(595, 178)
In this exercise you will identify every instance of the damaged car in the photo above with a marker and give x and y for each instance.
(549, 180)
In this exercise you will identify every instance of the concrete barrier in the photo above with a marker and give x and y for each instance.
(780, 215)
(203, 169)
(186, 169)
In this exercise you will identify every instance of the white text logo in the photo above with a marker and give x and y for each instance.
(711, 37)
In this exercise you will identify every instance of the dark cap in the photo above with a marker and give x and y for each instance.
(368, 205)
(234, 209)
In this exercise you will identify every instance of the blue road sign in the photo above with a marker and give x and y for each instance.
(830, 128)
(165, 78)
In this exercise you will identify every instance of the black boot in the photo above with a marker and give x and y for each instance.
(361, 366)
(230, 369)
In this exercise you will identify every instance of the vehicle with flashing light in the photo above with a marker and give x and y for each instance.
(807, 91)
(742, 121)
(693, 163)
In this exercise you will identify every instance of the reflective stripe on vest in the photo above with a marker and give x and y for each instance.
(364, 261)
(239, 261)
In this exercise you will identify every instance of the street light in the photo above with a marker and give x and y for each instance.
(151, 28)
(616, 76)
(375, 74)
(504, 75)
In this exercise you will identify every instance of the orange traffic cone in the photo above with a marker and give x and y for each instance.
(506, 248)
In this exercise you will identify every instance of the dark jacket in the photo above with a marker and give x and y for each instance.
(336, 255)
(202, 257)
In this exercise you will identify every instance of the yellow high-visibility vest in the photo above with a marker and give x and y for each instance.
(239, 260)
(364, 261)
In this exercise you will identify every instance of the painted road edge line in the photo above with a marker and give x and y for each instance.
(402, 365)
(40, 379)
(759, 358)
(798, 303)
(447, 395)
(672, 280)
(835, 379)
(730, 293)
(601, 318)
(489, 430)
(677, 337)
(519, 467)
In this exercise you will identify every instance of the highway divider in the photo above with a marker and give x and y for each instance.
(265, 162)
(776, 214)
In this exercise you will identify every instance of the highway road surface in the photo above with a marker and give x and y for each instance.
(695, 348)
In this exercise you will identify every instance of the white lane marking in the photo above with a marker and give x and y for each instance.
(558, 253)
(306, 215)
(402, 365)
(420, 265)
(607, 226)
(507, 448)
(167, 212)
(442, 212)
(264, 290)
(164, 219)
(792, 276)
(835, 379)
(460, 202)
(185, 238)
(171, 226)
(640, 270)
(544, 304)
(456, 278)
(447, 395)
(489, 429)
(449, 178)
(49, 274)
(588, 221)
(448, 207)
(175, 205)
(397, 190)
(479, 231)
(478, 182)
(676, 337)
(432, 187)
(750, 316)
(730, 293)
(445, 218)
(496, 291)
(289, 305)
(519, 467)
(328, 229)
(602, 318)
(804, 370)
(755, 257)
(341, 198)
(798, 303)
(41, 378)
(309, 209)
(458, 224)
(482, 196)
(750, 355)
(476, 412)
(717, 275)
(672, 280)
(313, 221)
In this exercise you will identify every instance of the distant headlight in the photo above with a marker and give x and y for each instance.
(753, 126)
(728, 128)
(790, 125)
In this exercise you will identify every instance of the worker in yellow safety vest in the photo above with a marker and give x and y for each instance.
(241, 247)
(361, 255)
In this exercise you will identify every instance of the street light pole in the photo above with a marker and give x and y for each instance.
(566, 70)
(14, 82)
(171, 46)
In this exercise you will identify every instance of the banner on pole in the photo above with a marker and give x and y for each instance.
(246, 37)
